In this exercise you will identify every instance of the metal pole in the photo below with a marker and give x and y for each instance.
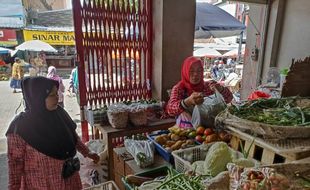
(241, 34)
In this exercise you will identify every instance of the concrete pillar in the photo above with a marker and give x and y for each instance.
(173, 39)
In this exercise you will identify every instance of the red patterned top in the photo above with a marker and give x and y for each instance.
(178, 93)
(30, 169)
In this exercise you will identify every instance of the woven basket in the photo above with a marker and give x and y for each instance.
(138, 118)
(266, 130)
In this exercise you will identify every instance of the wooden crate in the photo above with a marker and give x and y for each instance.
(270, 151)
(120, 157)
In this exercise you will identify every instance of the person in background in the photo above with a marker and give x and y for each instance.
(42, 141)
(215, 68)
(191, 90)
(17, 74)
(74, 83)
(38, 64)
(3, 66)
(51, 74)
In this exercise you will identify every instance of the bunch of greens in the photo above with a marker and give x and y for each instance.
(284, 111)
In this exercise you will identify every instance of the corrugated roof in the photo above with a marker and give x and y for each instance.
(12, 22)
(55, 18)
(51, 28)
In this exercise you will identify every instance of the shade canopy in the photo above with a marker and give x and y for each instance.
(4, 50)
(233, 53)
(206, 52)
(36, 45)
(213, 21)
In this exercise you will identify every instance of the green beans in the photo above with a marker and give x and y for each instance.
(181, 182)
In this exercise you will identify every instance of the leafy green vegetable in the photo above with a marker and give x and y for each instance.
(284, 111)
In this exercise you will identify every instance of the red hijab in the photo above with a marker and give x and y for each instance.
(185, 75)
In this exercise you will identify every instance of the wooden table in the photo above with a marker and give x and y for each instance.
(110, 133)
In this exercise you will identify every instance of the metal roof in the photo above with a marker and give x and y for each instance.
(50, 28)
(54, 18)
(11, 22)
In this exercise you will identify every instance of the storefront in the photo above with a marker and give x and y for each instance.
(63, 41)
(8, 38)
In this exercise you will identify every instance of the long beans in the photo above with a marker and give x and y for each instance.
(181, 182)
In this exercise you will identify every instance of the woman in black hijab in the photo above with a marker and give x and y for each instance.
(42, 141)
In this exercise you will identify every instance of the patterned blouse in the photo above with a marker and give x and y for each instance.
(174, 107)
(17, 71)
(29, 169)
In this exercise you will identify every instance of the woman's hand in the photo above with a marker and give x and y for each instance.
(94, 157)
(216, 86)
(196, 98)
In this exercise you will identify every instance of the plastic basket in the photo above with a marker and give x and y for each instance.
(199, 154)
(109, 185)
(161, 150)
(156, 172)
(97, 116)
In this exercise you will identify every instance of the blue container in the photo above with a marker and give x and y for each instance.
(161, 150)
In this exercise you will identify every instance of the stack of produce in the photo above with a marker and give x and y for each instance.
(4, 77)
(183, 138)
(284, 118)
(173, 180)
(285, 111)
(264, 178)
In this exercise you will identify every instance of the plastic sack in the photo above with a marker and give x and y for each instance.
(137, 114)
(94, 173)
(142, 151)
(118, 115)
(205, 113)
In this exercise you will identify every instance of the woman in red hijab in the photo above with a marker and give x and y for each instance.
(191, 90)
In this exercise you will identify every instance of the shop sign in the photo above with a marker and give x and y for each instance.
(50, 37)
(8, 37)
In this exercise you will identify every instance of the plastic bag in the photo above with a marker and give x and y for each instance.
(258, 94)
(205, 113)
(137, 114)
(184, 121)
(142, 151)
(263, 178)
(94, 173)
(118, 115)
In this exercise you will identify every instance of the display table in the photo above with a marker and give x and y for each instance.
(110, 133)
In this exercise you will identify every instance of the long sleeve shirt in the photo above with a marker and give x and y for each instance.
(30, 169)
(174, 107)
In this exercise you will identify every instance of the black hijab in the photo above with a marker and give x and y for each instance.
(50, 132)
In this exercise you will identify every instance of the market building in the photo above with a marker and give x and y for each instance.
(55, 28)
(130, 54)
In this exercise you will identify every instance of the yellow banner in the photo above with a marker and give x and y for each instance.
(50, 37)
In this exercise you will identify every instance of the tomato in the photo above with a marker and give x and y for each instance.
(208, 131)
(200, 130)
(199, 138)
